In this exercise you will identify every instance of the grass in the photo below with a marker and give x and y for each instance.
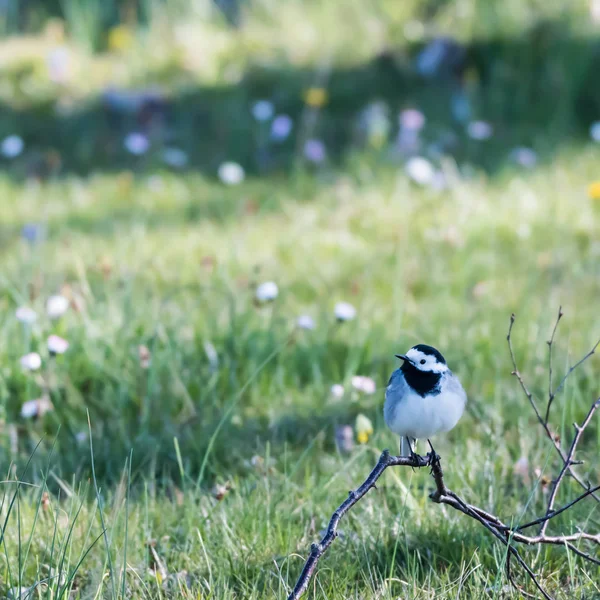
(210, 478)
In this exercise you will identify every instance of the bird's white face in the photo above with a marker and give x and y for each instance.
(425, 362)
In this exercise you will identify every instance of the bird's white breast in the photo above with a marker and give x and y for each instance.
(408, 414)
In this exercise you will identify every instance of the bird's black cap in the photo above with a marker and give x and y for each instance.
(430, 350)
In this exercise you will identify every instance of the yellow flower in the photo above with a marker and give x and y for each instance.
(364, 428)
(120, 38)
(362, 437)
(316, 97)
(594, 190)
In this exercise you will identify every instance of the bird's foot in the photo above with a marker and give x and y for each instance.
(433, 456)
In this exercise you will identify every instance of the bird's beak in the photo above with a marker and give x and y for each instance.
(403, 357)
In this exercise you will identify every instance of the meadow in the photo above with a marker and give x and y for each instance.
(189, 430)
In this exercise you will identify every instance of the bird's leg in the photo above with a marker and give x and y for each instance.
(434, 457)
(412, 443)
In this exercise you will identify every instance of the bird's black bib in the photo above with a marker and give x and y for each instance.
(423, 383)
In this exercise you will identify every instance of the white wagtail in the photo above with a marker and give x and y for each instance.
(423, 397)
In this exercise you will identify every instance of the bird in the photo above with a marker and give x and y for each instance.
(423, 397)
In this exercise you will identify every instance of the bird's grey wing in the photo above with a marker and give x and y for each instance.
(396, 389)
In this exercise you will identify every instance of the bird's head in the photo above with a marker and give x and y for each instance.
(423, 358)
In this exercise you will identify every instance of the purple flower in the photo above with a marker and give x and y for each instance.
(314, 151)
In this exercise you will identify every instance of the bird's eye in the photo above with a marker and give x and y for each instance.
(422, 361)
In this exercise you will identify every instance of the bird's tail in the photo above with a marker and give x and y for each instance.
(406, 445)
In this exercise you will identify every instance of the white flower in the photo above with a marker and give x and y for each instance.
(420, 170)
(36, 408)
(263, 110)
(267, 291)
(12, 146)
(337, 390)
(57, 345)
(595, 131)
(305, 322)
(29, 409)
(231, 173)
(212, 355)
(344, 438)
(56, 306)
(136, 143)
(31, 361)
(479, 130)
(412, 119)
(57, 62)
(175, 157)
(363, 384)
(524, 157)
(314, 151)
(26, 315)
(344, 311)
(281, 127)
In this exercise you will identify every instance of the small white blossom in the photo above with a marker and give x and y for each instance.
(212, 355)
(420, 170)
(57, 345)
(267, 291)
(12, 146)
(31, 361)
(36, 408)
(263, 110)
(363, 384)
(281, 127)
(57, 306)
(26, 315)
(337, 390)
(175, 157)
(305, 322)
(136, 143)
(595, 131)
(479, 130)
(230, 173)
(344, 311)
(57, 62)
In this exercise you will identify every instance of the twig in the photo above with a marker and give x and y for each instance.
(579, 429)
(554, 513)
(542, 422)
(575, 366)
(550, 393)
(317, 550)
(442, 495)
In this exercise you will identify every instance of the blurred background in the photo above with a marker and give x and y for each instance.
(213, 212)
(220, 220)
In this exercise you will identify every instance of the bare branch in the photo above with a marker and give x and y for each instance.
(550, 393)
(554, 513)
(542, 422)
(575, 366)
(579, 429)
(317, 550)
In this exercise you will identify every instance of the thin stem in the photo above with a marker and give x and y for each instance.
(554, 513)
(550, 393)
(541, 421)
(579, 429)
(317, 550)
